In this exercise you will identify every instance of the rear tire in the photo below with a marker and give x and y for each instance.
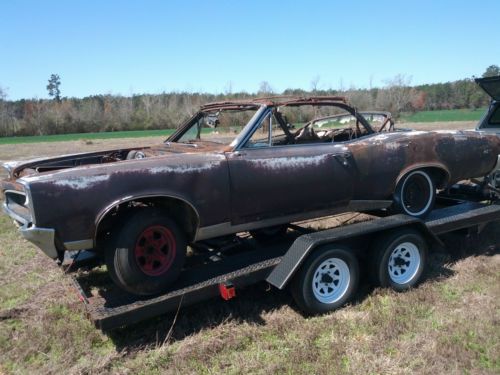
(415, 194)
(399, 260)
(148, 253)
(326, 281)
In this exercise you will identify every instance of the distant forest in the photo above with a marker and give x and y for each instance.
(98, 113)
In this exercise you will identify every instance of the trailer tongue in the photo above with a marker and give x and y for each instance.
(281, 263)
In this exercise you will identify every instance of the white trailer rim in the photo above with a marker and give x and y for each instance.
(404, 263)
(331, 280)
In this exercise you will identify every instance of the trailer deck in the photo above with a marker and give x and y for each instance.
(222, 274)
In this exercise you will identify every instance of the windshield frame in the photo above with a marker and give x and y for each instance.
(187, 125)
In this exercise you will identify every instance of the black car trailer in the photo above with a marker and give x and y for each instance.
(320, 267)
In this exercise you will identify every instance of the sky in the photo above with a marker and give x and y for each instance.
(134, 47)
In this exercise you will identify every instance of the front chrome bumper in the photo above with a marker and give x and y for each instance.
(43, 238)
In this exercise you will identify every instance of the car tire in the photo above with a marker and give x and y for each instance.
(326, 281)
(270, 234)
(148, 253)
(415, 194)
(399, 260)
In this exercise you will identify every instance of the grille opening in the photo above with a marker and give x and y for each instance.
(17, 198)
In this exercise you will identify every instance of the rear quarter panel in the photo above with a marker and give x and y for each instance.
(382, 159)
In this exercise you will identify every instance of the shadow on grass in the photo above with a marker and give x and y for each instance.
(256, 300)
(247, 307)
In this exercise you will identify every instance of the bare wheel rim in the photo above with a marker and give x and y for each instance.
(404, 263)
(416, 193)
(331, 280)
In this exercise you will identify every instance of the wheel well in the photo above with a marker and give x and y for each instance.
(439, 175)
(180, 211)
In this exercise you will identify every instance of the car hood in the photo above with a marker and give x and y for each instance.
(51, 164)
(491, 85)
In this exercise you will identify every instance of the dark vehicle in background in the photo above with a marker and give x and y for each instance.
(491, 120)
(251, 165)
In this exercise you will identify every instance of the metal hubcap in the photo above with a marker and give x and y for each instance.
(155, 250)
(331, 280)
(404, 263)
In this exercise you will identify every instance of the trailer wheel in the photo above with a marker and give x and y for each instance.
(148, 253)
(326, 281)
(265, 235)
(399, 260)
(415, 194)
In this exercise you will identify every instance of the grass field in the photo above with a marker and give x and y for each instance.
(445, 115)
(448, 325)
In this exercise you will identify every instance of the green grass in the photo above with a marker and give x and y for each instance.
(446, 325)
(445, 115)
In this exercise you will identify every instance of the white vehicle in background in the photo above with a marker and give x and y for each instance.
(491, 120)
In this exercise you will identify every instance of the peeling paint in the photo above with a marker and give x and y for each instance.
(290, 162)
(392, 146)
(379, 137)
(81, 182)
(415, 133)
(184, 168)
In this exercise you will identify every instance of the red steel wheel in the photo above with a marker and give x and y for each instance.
(155, 250)
(148, 253)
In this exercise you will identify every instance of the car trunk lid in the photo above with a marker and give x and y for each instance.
(491, 85)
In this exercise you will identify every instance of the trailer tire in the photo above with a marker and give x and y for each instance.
(399, 259)
(415, 194)
(326, 281)
(148, 253)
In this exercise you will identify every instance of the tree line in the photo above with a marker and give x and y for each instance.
(168, 110)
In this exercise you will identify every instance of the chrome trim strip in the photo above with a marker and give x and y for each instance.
(79, 245)
(222, 229)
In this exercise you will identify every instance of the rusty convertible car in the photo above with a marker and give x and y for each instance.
(249, 165)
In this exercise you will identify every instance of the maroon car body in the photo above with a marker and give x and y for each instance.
(213, 189)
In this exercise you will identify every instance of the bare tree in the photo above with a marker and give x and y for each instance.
(265, 88)
(314, 84)
(397, 95)
(228, 89)
(361, 99)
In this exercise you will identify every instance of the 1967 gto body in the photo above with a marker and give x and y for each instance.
(140, 207)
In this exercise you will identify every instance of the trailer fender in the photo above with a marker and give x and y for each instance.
(305, 244)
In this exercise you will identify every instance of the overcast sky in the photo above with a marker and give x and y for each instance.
(125, 47)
